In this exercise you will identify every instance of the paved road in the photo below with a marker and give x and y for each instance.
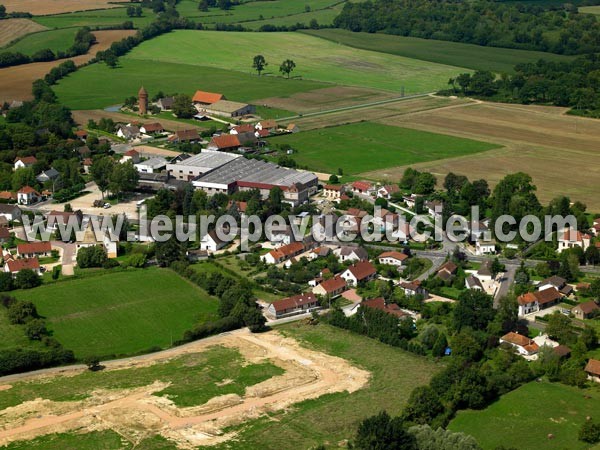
(505, 284)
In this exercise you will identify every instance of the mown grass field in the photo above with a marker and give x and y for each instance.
(100, 18)
(97, 440)
(85, 89)
(121, 313)
(368, 146)
(525, 417)
(471, 56)
(55, 40)
(332, 418)
(590, 9)
(316, 59)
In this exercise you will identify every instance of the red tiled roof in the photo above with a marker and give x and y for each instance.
(206, 97)
(81, 133)
(362, 270)
(87, 162)
(448, 266)
(517, 339)
(379, 303)
(7, 195)
(226, 141)
(153, 127)
(28, 190)
(187, 135)
(573, 235)
(132, 152)
(396, 255)
(34, 247)
(361, 185)
(587, 307)
(526, 298)
(593, 367)
(391, 188)
(16, 265)
(547, 295)
(333, 284)
(241, 206)
(333, 187)
(244, 128)
(26, 159)
(263, 133)
(4, 233)
(295, 301)
(269, 123)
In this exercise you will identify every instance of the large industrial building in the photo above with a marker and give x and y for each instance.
(199, 164)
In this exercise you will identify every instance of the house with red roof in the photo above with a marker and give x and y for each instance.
(333, 192)
(331, 288)
(180, 136)
(387, 191)
(131, 155)
(24, 161)
(380, 304)
(586, 310)
(28, 196)
(592, 368)
(283, 253)
(362, 187)
(206, 98)
(296, 304)
(32, 249)
(152, 128)
(360, 272)
(523, 345)
(14, 266)
(392, 258)
(570, 238)
(81, 134)
(225, 142)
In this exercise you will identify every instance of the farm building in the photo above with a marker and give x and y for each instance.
(297, 304)
(151, 165)
(228, 108)
(203, 98)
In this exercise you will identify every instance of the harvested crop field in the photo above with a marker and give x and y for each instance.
(82, 116)
(15, 82)
(47, 7)
(13, 29)
(541, 141)
(136, 411)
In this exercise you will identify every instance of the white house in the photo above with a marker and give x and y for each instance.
(570, 238)
(351, 254)
(359, 272)
(28, 196)
(130, 155)
(24, 161)
(523, 345)
(10, 212)
(392, 258)
(211, 242)
(472, 282)
(485, 247)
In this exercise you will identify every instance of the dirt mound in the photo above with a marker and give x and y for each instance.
(136, 413)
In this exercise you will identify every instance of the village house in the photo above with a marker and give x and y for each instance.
(585, 310)
(527, 303)
(347, 253)
(472, 282)
(28, 196)
(81, 135)
(447, 270)
(280, 236)
(128, 132)
(54, 219)
(536, 301)
(211, 242)
(411, 200)
(380, 304)
(292, 128)
(333, 192)
(359, 272)
(196, 255)
(31, 249)
(570, 238)
(182, 136)
(130, 155)
(22, 162)
(269, 125)
(297, 304)
(224, 142)
(485, 247)
(239, 207)
(592, 369)
(283, 253)
(362, 187)
(392, 258)
(48, 175)
(484, 272)
(152, 128)
(202, 98)
(319, 252)
(88, 238)
(412, 288)
(8, 197)
(387, 191)
(87, 165)
(10, 212)
(523, 345)
(14, 266)
(434, 208)
(4, 233)
(330, 288)
(165, 103)
(556, 282)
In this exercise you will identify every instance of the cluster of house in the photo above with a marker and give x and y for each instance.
(529, 348)
(549, 292)
(338, 192)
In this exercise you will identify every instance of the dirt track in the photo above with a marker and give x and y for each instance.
(135, 413)
(15, 82)
(47, 7)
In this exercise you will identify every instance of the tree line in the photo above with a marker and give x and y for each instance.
(84, 39)
(559, 29)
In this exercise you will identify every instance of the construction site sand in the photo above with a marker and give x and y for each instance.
(136, 414)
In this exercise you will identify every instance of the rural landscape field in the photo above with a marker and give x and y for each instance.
(173, 328)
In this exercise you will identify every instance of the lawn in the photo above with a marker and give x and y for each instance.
(471, 56)
(193, 379)
(332, 418)
(367, 146)
(525, 417)
(315, 58)
(95, 18)
(55, 40)
(121, 313)
(84, 89)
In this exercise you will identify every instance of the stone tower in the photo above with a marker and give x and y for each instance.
(143, 101)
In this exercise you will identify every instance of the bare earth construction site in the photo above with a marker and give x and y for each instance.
(137, 413)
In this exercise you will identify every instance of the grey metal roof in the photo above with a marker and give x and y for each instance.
(256, 171)
(155, 162)
(208, 159)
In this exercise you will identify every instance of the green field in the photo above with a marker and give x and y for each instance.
(315, 58)
(322, 16)
(85, 89)
(123, 312)
(471, 56)
(332, 418)
(55, 40)
(590, 9)
(367, 146)
(525, 417)
(95, 18)
(13, 336)
(97, 440)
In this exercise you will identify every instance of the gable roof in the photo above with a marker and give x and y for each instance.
(587, 307)
(362, 185)
(362, 270)
(187, 135)
(7, 209)
(295, 301)
(473, 282)
(593, 367)
(226, 141)
(28, 190)
(206, 97)
(26, 159)
(380, 304)
(448, 267)
(268, 123)
(547, 296)
(333, 284)
(153, 127)
(554, 280)
(517, 339)
(7, 195)
(526, 298)
(244, 128)
(393, 254)
(132, 153)
(34, 247)
(16, 265)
